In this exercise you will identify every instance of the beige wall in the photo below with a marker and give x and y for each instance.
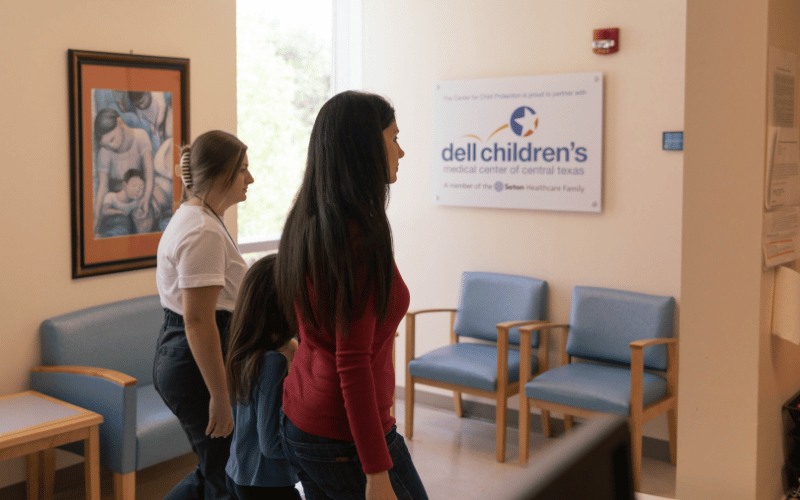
(634, 244)
(779, 369)
(721, 279)
(34, 135)
(730, 438)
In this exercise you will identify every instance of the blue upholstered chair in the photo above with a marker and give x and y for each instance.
(491, 309)
(630, 365)
(101, 358)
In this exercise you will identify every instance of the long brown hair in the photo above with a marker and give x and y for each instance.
(258, 325)
(337, 238)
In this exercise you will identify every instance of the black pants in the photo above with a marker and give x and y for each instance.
(239, 492)
(178, 380)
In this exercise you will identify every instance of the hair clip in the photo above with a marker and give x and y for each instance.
(186, 170)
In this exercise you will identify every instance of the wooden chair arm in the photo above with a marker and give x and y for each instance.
(423, 311)
(502, 345)
(502, 351)
(637, 368)
(543, 325)
(525, 339)
(511, 324)
(544, 330)
(411, 328)
(92, 371)
(642, 343)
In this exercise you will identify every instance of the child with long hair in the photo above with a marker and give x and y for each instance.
(260, 350)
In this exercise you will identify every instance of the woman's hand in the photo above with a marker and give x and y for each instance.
(289, 349)
(379, 487)
(220, 419)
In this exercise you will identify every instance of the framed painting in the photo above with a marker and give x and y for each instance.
(129, 116)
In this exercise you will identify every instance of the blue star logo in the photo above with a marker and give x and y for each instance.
(524, 121)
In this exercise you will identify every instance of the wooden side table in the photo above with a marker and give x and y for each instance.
(33, 425)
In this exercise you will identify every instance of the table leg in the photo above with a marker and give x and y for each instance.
(48, 472)
(91, 454)
(33, 473)
(41, 472)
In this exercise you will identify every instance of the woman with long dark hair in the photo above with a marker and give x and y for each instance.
(337, 278)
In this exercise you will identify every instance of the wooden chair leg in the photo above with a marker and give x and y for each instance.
(524, 428)
(672, 421)
(409, 431)
(569, 422)
(636, 453)
(125, 486)
(457, 404)
(501, 422)
(546, 429)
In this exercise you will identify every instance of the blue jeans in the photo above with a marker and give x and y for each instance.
(178, 380)
(330, 468)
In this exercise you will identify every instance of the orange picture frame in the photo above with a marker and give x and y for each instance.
(129, 116)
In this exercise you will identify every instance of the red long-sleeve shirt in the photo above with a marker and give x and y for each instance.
(342, 388)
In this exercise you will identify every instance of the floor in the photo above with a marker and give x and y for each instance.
(455, 458)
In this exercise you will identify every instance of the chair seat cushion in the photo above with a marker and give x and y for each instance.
(594, 387)
(466, 364)
(159, 435)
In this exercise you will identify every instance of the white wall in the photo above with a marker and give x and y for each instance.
(34, 140)
(634, 244)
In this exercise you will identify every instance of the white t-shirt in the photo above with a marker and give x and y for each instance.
(196, 251)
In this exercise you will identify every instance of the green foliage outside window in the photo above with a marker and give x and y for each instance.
(283, 78)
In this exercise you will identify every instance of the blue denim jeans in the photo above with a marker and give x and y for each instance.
(330, 468)
(178, 380)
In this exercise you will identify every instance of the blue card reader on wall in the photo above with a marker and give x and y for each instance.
(672, 141)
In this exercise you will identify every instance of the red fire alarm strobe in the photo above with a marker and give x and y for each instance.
(606, 41)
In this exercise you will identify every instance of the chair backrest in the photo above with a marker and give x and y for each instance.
(120, 336)
(603, 323)
(491, 298)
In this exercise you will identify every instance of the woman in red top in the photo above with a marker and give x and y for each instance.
(337, 277)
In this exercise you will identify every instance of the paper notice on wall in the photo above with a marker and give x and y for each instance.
(779, 240)
(782, 76)
(782, 183)
(786, 305)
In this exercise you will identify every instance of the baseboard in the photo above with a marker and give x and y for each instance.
(651, 447)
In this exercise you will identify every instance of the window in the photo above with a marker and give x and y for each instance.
(291, 57)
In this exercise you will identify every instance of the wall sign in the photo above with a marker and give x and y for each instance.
(533, 142)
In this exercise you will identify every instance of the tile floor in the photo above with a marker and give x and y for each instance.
(455, 458)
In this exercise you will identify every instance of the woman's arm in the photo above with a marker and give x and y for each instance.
(199, 312)
(354, 365)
